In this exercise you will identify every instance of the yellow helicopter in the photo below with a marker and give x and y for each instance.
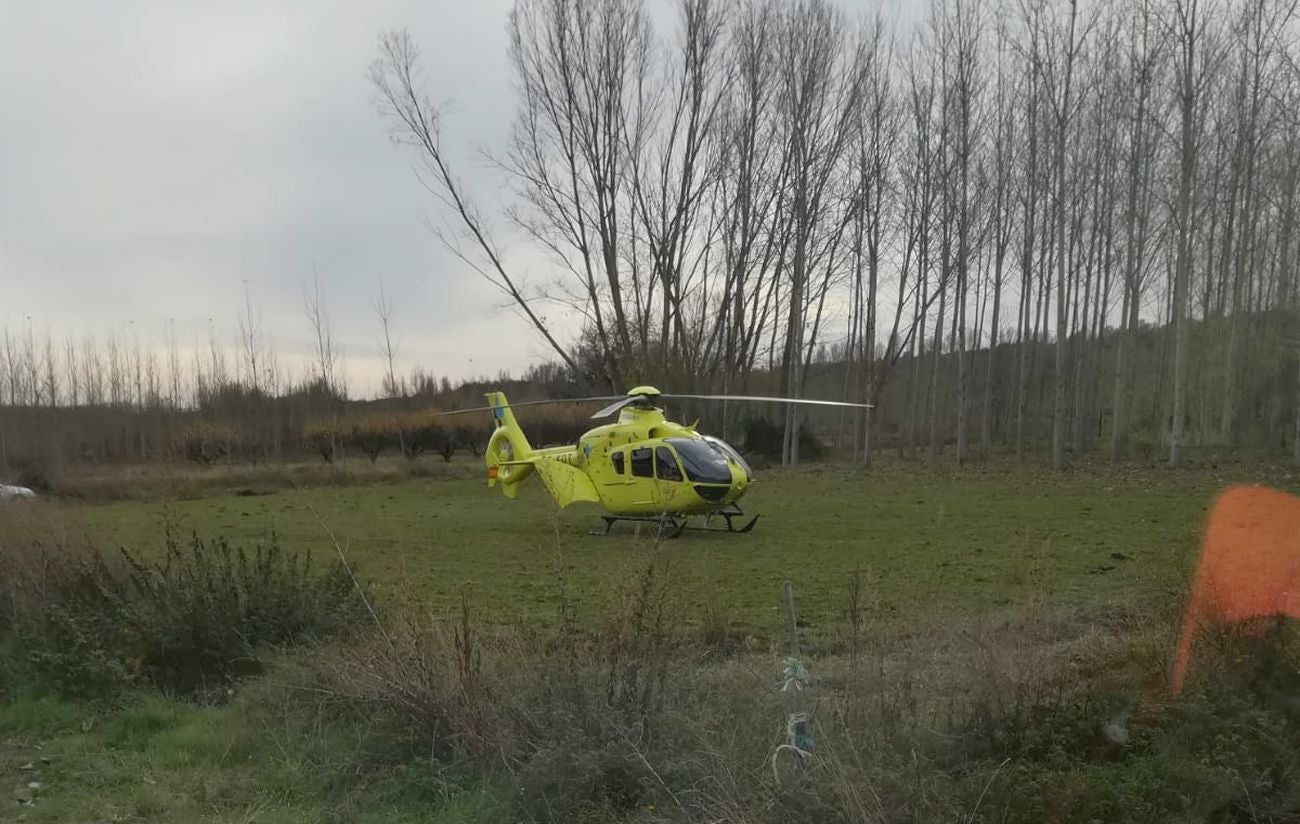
(643, 468)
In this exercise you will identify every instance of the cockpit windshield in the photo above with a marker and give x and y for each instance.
(730, 451)
(702, 461)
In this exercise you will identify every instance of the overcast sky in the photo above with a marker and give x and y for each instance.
(156, 155)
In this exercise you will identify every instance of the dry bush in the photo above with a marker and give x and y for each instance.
(420, 432)
(917, 723)
(205, 443)
(39, 472)
(325, 436)
(373, 433)
(42, 551)
(89, 621)
(564, 713)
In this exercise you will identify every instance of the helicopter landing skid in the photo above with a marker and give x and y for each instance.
(668, 526)
(729, 514)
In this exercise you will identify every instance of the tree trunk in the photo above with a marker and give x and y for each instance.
(986, 433)
(936, 360)
(1183, 219)
(1062, 316)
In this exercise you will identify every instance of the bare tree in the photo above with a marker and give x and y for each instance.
(1188, 27)
(1059, 61)
(50, 370)
(72, 372)
(874, 227)
(822, 78)
(322, 330)
(393, 386)
(1001, 214)
(175, 378)
(414, 121)
(750, 193)
(92, 372)
(961, 39)
(1259, 33)
(218, 376)
(1145, 56)
(251, 342)
(669, 139)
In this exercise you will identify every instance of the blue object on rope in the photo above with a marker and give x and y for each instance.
(800, 731)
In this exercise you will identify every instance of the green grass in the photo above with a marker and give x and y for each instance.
(927, 543)
(932, 547)
(262, 758)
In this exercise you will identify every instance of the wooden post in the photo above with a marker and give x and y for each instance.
(866, 438)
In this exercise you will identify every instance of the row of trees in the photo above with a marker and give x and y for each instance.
(118, 369)
(1020, 224)
(117, 397)
(116, 402)
(413, 433)
(1005, 194)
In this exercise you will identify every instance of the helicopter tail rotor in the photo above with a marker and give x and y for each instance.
(508, 452)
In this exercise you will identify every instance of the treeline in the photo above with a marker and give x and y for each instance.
(1039, 225)
(1008, 189)
(237, 422)
(309, 423)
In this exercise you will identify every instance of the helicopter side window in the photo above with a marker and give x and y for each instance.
(616, 458)
(643, 463)
(666, 468)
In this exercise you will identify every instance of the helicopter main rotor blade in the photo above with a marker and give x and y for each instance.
(512, 405)
(759, 399)
(622, 401)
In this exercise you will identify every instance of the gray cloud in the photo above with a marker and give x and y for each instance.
(154, 155)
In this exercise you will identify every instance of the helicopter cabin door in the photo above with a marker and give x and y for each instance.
(641, 480)
(650, 477)
(668, 479)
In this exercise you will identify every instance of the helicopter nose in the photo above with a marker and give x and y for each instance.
(739, 482)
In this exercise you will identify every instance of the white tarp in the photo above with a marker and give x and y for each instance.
(11, 492)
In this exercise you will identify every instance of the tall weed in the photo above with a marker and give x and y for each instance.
(191, 621)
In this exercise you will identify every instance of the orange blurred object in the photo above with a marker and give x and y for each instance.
(1249, 565)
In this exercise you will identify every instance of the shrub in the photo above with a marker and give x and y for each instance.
(191, 622)
(420, 432)
(324, 436)
(208, 607)
(205, 443)
(32, 472)
(565, 713)
(763, 437)
(374, 433)
(473, 436)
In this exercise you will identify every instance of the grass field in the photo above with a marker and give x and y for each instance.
(928, 543)
(932, 548)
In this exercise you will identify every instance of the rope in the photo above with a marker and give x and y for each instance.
(793, 674)
(799, 742)
(797, 728)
